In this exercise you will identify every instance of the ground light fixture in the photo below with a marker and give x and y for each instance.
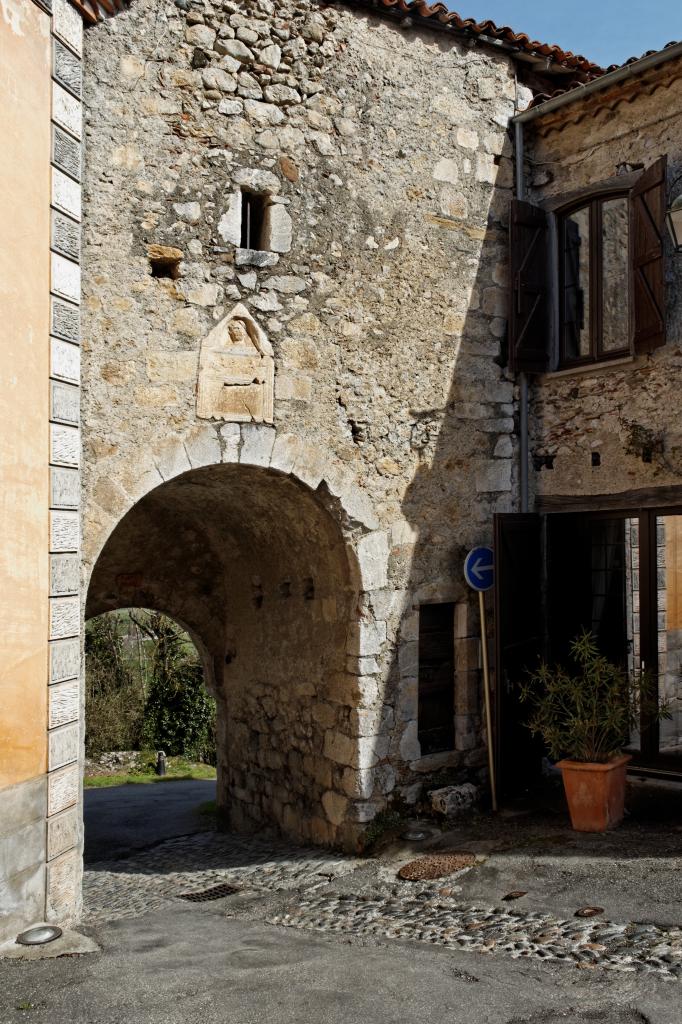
(674, 219)
(39, 935)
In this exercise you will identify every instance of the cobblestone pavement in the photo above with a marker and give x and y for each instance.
(159, 876)
(321, 891)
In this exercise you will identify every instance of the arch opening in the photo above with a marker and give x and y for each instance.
(257, 570)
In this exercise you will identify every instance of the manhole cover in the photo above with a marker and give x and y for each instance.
(437, 865)
(216, 892)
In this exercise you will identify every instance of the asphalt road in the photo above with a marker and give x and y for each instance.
(121, 819)
(196, 965)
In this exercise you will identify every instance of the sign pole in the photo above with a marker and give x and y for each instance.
(486, 691)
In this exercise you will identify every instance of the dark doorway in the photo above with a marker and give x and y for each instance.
(617, 574)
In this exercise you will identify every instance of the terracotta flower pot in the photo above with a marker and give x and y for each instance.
(595, 793)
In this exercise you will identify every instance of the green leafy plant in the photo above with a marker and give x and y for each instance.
(588, 715)
(179, 715)
(144, 687)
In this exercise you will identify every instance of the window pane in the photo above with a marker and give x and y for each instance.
(615, 317)
(436, 677)
(577, 284)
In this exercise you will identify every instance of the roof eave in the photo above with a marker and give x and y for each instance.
(606, 81)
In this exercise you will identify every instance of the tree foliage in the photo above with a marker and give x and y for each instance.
(144, 687)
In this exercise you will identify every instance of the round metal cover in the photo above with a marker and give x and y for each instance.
(436, 865)
(39, 935)
(589, 911)
(415, 835)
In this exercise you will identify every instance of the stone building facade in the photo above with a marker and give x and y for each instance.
(298, 412)
(292, 441)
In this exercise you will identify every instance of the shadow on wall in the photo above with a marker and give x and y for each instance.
(464, 457)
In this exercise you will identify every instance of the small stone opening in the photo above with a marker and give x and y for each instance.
(164, 261)
(253, 219)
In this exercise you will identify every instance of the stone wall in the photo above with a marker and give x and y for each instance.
(381, 158)
(611, 409)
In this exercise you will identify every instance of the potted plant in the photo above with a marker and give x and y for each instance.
(585, 718)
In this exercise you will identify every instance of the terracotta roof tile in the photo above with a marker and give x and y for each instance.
(438, 13)
(95, 10)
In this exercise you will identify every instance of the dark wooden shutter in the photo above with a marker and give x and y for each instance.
(529, 319)
(519, 643)
(647, 228)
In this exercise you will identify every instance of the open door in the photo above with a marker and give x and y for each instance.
(519, 643)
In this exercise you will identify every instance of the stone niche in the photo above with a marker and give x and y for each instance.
(236, 371)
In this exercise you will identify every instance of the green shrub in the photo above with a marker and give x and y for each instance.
(144, 687)
(589, 715)
(114, 699)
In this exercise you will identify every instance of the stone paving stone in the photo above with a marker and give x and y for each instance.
(415, 911)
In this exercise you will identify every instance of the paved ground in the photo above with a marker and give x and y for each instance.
(124, 818)
(311, 937)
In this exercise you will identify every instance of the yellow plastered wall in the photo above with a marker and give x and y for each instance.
(25, 92)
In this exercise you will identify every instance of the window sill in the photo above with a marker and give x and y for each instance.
(597, 367)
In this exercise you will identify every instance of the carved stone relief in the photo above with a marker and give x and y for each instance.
(236, 371)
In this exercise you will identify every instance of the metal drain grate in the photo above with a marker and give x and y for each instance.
(216, 892)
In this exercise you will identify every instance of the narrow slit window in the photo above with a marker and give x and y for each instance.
(436, 728)
(253, 216)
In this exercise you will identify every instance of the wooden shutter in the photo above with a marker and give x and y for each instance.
(529, 319)
(519, 643)
(647, 228)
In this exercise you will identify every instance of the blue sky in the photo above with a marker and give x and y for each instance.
(606, 31)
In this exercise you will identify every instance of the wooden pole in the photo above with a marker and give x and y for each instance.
(486, 691)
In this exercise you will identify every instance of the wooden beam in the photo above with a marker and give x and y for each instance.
(623, 501)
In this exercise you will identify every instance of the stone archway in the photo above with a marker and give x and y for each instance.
(266, 573)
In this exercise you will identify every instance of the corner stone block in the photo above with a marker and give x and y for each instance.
(65, 660)
(65, 361)
(64, 403)
(358, 506)
(63, 887)
(64, 575)
(230, 436)
(62, 833)
(65, 444)
(64, 617)
(67, 111)
(285, 452)
(65, 488)
(66, 195)
(64, 746)
(66, 278)
(494, 476)
(203, 447)
(373, 559)
(64, 531)
(310, 465)
(67, 25)
(410, 747)
(62, 789)
(257, 445)
(64, 703)
(172, 460)
(366, 638)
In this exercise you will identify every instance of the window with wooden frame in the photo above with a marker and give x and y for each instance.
(588, 280)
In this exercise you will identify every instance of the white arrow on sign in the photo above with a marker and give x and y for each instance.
(478, 568)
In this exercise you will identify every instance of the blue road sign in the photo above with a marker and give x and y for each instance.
(479, 569)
